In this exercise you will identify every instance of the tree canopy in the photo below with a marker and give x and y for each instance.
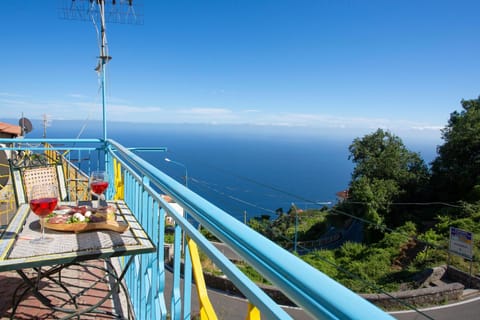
(456, 170)
(385, 171)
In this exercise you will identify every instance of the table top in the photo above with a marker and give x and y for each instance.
(16, 251)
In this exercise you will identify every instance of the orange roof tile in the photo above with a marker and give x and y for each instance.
(343, 194)
(10, 129)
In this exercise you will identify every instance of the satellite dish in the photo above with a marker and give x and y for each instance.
(25, 124)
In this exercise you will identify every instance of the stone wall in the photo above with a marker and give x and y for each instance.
(419, 297)
(470, 281)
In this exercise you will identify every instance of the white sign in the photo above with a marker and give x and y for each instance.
(461, 242)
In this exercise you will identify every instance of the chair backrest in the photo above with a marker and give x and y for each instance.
(23, 178)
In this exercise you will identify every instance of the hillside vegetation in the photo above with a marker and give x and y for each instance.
(406, 208)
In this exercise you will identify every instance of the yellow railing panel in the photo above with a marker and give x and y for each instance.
(7, 204)
(118, 181)
(206, 308)
(253, 312)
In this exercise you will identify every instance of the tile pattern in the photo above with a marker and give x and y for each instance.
(76, 278)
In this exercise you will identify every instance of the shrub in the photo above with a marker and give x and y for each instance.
(323, 260)
(351, 250)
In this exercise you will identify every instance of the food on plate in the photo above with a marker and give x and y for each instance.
(84, 218)
(80, 214)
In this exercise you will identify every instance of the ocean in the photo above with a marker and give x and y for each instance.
(245, 171)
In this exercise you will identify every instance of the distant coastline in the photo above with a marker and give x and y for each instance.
(240, 170)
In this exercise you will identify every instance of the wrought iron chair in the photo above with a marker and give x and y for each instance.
(36, 169)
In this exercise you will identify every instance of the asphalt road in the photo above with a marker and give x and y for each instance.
(226, 306)
(235, 308)
(231, 307)
(465, 310)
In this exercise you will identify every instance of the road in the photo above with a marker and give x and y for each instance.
(232, 307)
(465, 310)
(235, 308)
(226, 306)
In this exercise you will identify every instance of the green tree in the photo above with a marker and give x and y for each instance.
(456, 170)
(385, 172)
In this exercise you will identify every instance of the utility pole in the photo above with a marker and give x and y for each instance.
(296, 227)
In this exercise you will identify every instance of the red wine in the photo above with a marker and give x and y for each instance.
(99, 186)
(43, 206)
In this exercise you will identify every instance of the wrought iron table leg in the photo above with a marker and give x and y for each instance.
(33, 286)
(99, 303)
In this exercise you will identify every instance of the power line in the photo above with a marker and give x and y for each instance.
(355, 276)
(262, 184)
(208, 186)
(446, 204)
(381, 227)
(373, 286)
(314, 202)
(306, 200)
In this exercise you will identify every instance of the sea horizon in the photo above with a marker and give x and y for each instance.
(246, 173)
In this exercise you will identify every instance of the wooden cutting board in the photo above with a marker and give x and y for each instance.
(78, 227)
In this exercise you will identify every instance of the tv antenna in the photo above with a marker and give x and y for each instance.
(47, 122)
(100, 12)
(115, 11)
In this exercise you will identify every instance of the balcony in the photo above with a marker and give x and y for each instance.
(157, 290)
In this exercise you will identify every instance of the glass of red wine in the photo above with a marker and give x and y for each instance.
(98, 185)
(43, 200)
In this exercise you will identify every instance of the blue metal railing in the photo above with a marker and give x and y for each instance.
(317, 294)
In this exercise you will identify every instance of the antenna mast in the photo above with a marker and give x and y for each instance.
(46, 123)
(101, 12)
(103, 61)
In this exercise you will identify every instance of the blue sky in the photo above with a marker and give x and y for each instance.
(312, 64)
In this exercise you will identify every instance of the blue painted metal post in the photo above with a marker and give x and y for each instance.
(176, 302)
(104, 101)
(160, 305)
(103, 60)
(187, 283)
(187, 263)
(144, 214)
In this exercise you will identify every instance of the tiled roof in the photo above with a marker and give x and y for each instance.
(343, 194)
(10, 129)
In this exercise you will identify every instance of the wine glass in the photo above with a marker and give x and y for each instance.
(98, 185)
(43, 200)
